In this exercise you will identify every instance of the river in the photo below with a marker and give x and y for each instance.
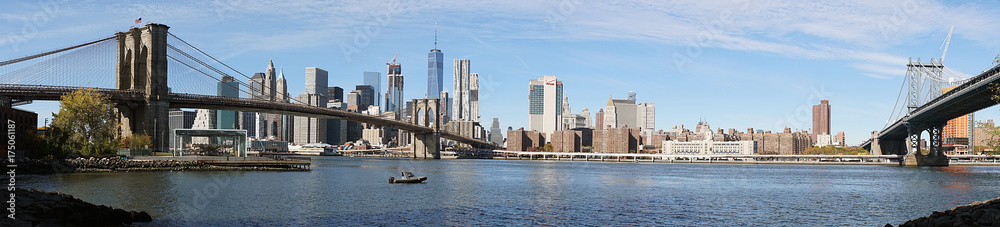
(468, 192)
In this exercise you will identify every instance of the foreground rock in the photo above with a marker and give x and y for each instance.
(85, 165)
(984, 213)
(39, 208)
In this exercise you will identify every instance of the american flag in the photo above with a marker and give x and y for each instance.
(138, 20)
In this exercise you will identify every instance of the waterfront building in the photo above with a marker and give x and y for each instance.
(821, 118)
(545, 105)
(710, 147)
(394, 94)
(617, 140)
(23, 123)
(838, 140)
(435, 70)
(312, 130)
(373, 79)
(823, 140)
(572, 140)
(521, 140)
(959, 133)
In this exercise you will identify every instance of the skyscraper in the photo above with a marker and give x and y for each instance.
(460, 109)
(316, 81)
(227, 87)
(366, 96)
(620, 113)
(545, 104)
(435, 70)
(394, 94)
(284, 122)
(821, 119)
(473, 97)
(312, 130)
(373, 79)
(496, 135)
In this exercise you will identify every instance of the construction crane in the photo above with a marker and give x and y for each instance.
(393, 59)
(947, 41)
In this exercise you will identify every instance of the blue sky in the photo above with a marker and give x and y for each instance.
(738, 64)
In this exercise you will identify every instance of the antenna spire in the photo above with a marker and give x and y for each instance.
(435, 35)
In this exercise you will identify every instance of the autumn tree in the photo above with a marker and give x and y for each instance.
(87, 123)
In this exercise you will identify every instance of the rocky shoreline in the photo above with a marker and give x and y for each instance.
(40, 208)
(983, 213)
(91, 165)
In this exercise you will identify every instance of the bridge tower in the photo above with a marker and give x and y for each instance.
(142, 65)
(427, 145)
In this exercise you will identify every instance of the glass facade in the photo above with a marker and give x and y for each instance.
(435, 74)
(374, 79)
(536, 99)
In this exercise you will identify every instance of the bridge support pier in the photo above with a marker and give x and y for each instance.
(142, 65)
(426, 145)
(933, 156)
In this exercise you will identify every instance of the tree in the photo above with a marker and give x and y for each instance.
(992, 138)
(87, 122)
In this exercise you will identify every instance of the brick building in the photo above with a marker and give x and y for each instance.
(520, 140)
(617, 140)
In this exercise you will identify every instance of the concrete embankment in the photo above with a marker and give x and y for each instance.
(40, 208)
(85, 165)
(984, 213)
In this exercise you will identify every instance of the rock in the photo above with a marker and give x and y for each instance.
(984, 213)
(56, 209)
(141, 216)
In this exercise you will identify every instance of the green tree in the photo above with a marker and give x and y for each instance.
(87, 124)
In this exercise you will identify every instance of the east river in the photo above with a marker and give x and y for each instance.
(355, 191)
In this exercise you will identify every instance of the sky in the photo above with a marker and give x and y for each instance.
(737, 64)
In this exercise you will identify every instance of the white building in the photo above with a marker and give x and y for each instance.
(709, 147)
(571, 120)
(545, 105)
(645, 119)
(823, 140)
(203, 119)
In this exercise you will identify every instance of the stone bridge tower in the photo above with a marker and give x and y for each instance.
(427, 145)
(142, 65)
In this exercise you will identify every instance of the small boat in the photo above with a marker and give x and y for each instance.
(407, 177)
(330, 151)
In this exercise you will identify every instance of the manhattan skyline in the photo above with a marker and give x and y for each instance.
(730, 63)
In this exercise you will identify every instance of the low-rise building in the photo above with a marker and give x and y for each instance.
(710, 147)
